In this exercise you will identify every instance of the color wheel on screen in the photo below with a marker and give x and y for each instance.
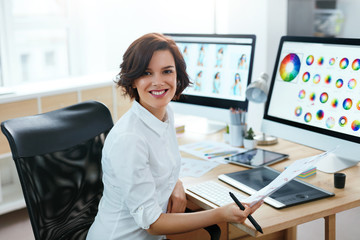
(289, 67)
(356, 64)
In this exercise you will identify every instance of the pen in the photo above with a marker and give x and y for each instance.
(237, 116)
(251, 219)
(220, 153)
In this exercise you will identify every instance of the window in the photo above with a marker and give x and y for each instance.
(35, 41)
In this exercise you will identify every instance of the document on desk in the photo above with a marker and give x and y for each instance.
(286, 176)
(211, 150)
(195, 167)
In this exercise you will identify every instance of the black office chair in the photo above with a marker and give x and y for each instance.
(58, 159)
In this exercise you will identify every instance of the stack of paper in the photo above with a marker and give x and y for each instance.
(307, 173)
(180, 128)
(195, 168)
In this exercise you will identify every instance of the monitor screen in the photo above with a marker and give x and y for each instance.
(315, 88)
(219, 66)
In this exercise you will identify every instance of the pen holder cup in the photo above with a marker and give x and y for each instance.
(237, 133)
(339, 180)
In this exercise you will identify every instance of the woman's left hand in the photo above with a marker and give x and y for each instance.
(177, 200)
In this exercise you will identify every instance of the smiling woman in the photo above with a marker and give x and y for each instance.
(143, 197)
(136, 63)
(157, 86)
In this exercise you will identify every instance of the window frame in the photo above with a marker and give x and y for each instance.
(10, 69)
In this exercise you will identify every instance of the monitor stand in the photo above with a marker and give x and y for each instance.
(333, 163)
(199, 124)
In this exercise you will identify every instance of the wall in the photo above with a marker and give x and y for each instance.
(267, 20)
(106, 28)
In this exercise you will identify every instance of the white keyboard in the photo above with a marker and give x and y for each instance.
(215, 193)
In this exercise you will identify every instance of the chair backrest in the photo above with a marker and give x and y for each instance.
(58, 160)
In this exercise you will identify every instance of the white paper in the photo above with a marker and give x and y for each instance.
(200, 149)
(287, 175)
(195, 168)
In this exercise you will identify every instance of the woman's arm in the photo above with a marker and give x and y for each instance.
(172, 223)
(177, 200)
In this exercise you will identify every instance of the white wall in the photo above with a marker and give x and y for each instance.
(267, 20)
(106, 28)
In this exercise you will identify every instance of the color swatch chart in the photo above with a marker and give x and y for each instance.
(319, 85)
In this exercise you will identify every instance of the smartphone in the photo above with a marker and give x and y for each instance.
(256, 158)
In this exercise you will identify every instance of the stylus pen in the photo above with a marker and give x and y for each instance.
(251, 219)
(220, 153)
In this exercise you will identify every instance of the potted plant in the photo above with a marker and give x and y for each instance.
(226, 134)
(249, 141)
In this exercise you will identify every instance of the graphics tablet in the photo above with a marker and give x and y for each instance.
(294, 192)
(256, 158)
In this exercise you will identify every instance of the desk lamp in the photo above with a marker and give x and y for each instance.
(257, 92)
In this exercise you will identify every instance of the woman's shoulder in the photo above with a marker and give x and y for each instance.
(124, 136)
(128, 125)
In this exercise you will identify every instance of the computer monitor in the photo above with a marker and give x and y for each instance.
(314, 97)
(220, 68)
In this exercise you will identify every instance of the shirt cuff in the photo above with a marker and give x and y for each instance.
(145, 217)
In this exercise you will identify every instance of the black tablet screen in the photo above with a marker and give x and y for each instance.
(256, 157)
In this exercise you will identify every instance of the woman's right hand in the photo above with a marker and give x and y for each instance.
(232, 212)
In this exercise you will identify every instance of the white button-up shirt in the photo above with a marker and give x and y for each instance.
(141, 164)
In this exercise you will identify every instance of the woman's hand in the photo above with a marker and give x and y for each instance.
(177, 200)
(232, 212)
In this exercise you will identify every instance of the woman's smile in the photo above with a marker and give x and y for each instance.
(158, 93)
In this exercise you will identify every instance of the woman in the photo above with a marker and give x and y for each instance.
(216, 83)
(236, 89)
(197, 83)
(143, 198)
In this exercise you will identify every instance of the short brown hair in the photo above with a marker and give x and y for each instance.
(137, 58)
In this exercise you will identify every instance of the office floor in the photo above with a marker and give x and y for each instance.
(16, 225)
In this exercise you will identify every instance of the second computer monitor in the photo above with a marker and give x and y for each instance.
(219, 67)
(314, 97)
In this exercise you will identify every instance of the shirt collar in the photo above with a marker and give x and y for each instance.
(150, 120)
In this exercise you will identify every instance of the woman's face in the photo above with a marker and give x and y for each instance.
(157, 86)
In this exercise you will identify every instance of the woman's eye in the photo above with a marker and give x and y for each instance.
(147, 73)
(168, 71)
